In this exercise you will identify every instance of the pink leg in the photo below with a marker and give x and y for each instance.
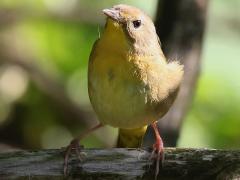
(157, 148)
(74, 144)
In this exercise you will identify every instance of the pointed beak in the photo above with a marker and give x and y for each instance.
(112, 13)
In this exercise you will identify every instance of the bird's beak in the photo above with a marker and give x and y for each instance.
(112, 13)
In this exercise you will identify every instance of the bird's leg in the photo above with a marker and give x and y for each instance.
(157, 149)
(74, 144)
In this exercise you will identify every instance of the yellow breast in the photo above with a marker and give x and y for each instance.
(126, 90)
(115, 93)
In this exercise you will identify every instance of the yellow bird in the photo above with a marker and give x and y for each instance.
(131, 84)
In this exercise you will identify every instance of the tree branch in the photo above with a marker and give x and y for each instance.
(122, 164)
(10, 16)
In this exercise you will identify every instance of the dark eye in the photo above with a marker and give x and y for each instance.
(136, 23)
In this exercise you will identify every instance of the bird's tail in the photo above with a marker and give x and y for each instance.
(131, 138)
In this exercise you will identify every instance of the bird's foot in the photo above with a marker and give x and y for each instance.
(73, 146)
(158, 156)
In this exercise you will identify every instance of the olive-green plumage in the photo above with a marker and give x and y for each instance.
(131, 84)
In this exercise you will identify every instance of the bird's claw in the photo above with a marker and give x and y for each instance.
(158, 156)
(74, 145)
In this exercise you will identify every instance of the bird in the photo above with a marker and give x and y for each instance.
(131, 84)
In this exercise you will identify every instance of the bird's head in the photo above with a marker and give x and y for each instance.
(135, 25)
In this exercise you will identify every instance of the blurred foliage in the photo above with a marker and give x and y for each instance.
(61, 46)
(214, 119)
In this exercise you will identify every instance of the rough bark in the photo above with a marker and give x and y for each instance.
(121, 164)
(180, 25)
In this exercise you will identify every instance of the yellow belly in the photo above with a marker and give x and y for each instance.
(127, 90)
(117, 96)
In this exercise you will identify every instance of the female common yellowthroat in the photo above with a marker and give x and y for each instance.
(130, 83)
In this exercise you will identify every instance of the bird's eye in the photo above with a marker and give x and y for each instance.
(136, 23)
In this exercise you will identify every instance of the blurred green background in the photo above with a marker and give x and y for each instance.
(57, 35)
